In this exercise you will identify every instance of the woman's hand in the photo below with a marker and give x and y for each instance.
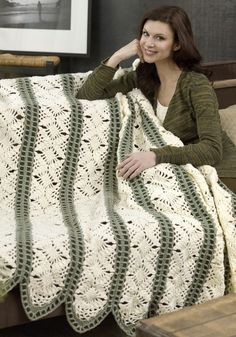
(124, 53)
(136, 163)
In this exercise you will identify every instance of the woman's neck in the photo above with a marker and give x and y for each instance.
(169, 74)
(168, 71)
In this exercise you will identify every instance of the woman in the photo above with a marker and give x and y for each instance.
(171, 77)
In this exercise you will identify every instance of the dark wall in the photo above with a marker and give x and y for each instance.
(115, 23)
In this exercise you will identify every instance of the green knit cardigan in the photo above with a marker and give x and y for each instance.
(192, 116)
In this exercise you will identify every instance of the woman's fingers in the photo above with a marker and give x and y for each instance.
(131, 49)
(135, 173)
(124, 162)
(128, 169)
(135, 163)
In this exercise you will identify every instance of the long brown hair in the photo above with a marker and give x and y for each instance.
(187, 57)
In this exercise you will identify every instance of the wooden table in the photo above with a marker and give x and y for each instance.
(216, 318)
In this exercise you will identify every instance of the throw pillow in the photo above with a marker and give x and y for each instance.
(228, 121)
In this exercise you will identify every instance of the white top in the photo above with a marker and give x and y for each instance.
(161, 111)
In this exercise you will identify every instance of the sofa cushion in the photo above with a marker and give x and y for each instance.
(228, 121)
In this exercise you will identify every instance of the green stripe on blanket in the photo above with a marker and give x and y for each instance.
(25, 164)
(66, 188)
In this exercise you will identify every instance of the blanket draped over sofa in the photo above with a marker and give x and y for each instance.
(73, 232)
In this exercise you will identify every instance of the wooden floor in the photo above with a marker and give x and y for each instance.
(58, 327)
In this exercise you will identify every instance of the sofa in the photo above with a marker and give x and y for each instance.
(224, 82)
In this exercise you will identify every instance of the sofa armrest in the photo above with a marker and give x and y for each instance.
(226, 92)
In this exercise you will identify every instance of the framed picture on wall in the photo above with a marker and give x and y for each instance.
(45, 26)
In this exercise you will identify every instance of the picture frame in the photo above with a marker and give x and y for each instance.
(47, 27)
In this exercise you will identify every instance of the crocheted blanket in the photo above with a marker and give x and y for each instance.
(74, 232)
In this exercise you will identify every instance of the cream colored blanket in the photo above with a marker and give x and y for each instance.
(72, 232)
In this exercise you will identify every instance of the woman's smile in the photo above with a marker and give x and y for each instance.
(150, 52)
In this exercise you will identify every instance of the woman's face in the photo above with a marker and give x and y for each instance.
(157, 42)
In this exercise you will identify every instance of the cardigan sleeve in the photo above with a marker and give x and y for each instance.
(207, 150)
(100, 83)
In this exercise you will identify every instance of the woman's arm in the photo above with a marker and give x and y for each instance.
(208, 149)
(100, 83)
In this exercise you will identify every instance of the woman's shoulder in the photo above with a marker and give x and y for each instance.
(197, 85)
(195, 78)
(194, 81)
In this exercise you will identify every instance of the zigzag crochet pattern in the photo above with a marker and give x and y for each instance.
(74, 232)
